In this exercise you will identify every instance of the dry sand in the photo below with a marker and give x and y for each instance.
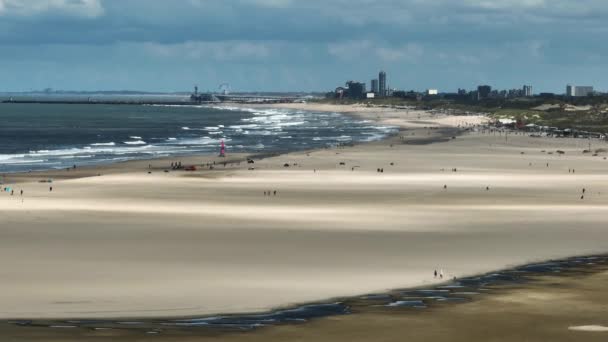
(132, 244)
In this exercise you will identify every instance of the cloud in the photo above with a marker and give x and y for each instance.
(506, 4)
(257, 44)
(79, 8)
(217, 51)
(271, 3)
(358, 49)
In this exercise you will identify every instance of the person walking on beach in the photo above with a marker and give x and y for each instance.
(50, 189)
(441, 274)
(435, 273)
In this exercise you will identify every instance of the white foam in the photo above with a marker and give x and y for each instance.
(137, 142)
(250, 126)
(202, 141)
(4, 157)
(24, 161)
(104, 144)
(135, 137)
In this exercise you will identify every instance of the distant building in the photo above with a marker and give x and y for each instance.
(570, 90)
(527, 91)
(515, 93)
(382, 84)
(475, 95)
(375, 89)
(371, 95)
(483, 92)
(431, 92)
(340, 92)
(356, 90)
(578, 91)
(462, 91)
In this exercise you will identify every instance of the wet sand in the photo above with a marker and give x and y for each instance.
(547, 306)
(133, 244)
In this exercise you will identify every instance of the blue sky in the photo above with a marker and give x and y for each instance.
(301, 45)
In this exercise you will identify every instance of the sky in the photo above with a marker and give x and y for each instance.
(301, 45)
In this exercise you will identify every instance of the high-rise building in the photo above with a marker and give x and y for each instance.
(484, 91)
(375, 88)
(527, 91)
(570, 90)
(382, 84)
(578, 91)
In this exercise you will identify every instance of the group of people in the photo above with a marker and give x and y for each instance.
(583, 195)
(270, 193)
(439, 274)
(12, 191)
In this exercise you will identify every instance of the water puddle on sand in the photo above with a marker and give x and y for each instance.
(457, 291)
(589, 328)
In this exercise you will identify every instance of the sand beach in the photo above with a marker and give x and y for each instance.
(131, 240)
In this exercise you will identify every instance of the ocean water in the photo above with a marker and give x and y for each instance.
(47, 136)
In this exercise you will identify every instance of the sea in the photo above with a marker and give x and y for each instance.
(37, 137)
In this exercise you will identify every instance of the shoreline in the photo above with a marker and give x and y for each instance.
(399, 302)
(355, 111)
(99, 168)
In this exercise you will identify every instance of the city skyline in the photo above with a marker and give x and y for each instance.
(284, 45)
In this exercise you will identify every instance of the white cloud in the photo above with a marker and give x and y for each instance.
(218, 51)
(79, 8)
(355, 50)
(271, 3)
(506, 4)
